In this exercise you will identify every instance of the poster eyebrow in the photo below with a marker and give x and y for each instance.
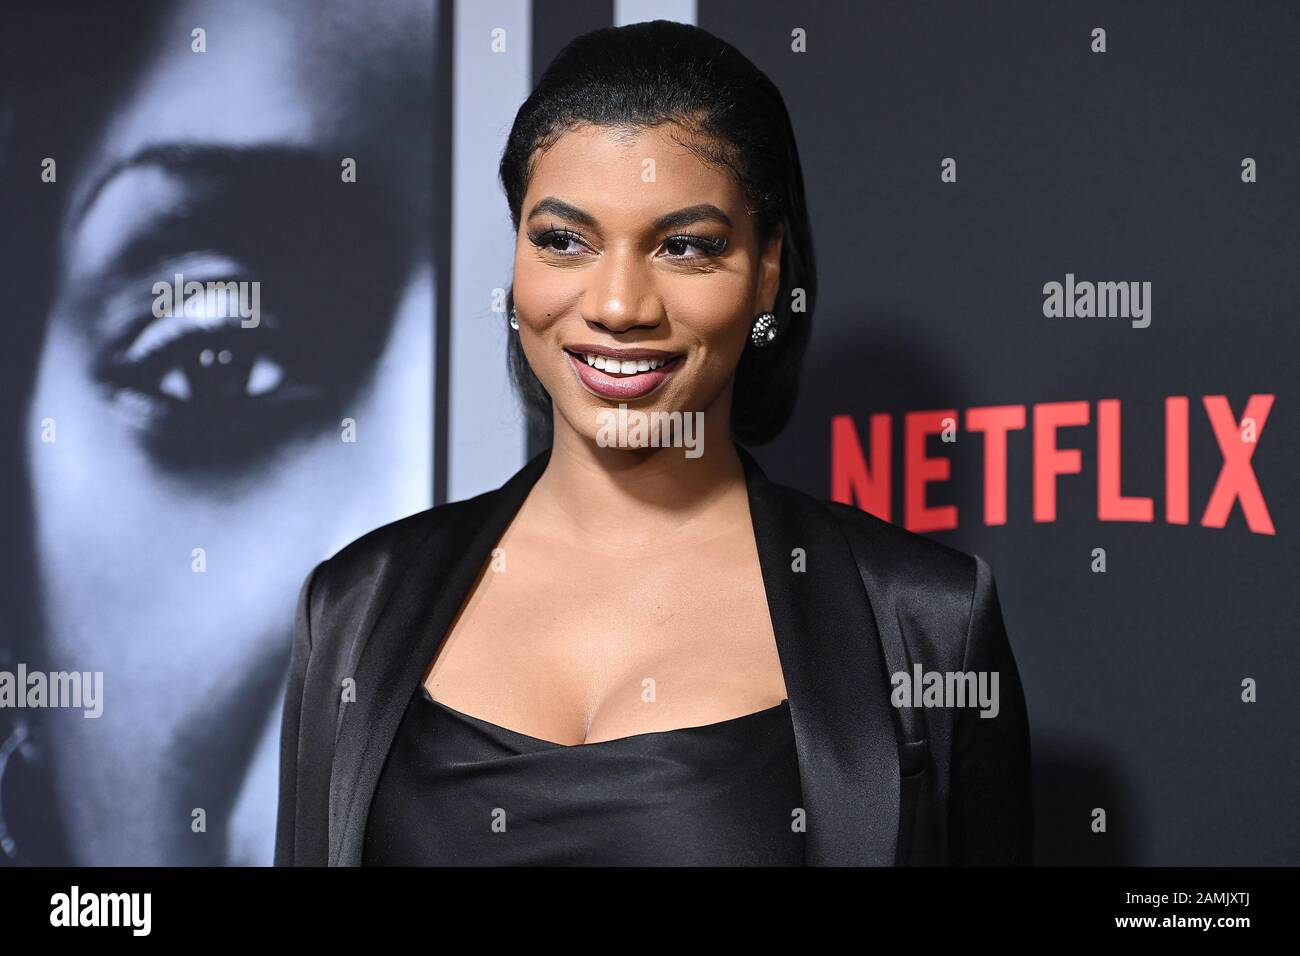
(215, 162)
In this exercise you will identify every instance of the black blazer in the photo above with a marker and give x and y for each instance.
(882, 785)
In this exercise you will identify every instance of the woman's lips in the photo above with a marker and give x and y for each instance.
(609, 385)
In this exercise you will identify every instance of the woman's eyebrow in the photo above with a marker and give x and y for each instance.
(700, 212)
(558, 207)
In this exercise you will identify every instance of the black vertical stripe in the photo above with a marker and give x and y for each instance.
(555, 23)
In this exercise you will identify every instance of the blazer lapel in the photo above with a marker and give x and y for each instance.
(835, 677)
(826, 636)
(432, 589)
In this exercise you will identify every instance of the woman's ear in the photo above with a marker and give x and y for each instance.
(770, 270)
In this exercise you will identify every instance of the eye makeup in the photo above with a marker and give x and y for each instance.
(708, 246)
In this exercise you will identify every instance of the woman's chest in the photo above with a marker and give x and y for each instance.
(576, 648)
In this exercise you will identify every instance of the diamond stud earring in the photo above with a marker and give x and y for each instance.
(764, 330)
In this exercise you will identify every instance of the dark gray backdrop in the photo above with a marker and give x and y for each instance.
(1116, 166)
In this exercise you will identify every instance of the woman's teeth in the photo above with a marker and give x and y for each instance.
(629, 367)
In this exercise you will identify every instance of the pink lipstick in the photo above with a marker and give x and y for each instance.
(626, 373)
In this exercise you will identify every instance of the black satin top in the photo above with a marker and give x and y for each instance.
(457, 790)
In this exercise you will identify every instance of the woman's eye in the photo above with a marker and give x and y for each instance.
(559, 241)
(704, 247)
(681, 247)
(570, 244)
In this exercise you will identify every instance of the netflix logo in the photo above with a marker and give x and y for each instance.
(861, 475)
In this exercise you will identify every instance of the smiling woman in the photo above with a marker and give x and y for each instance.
(627, 655)
(712, 194)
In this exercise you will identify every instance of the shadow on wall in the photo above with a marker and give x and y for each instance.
(1072, 779)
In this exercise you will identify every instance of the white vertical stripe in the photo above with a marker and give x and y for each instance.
(639, 11)
(487, 439)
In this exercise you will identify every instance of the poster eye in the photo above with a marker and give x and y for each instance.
(262, 377)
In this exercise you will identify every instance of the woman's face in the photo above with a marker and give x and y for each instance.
(199, 466)
(630, 241)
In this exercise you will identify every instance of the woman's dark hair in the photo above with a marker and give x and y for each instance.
(642, 76)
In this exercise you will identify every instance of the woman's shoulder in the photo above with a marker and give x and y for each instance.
(935, 588)
(376, 559)
(945, 600)
(396, 538)
(904, 558)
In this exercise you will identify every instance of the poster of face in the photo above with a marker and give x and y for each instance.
(221, 345)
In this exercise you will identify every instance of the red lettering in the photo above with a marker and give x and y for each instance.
(851, 478)
(1050, 461)
(919, 471)
(1111, 503)
(995, 421)
(1176, 483)
(865, 480)
(1237, 479)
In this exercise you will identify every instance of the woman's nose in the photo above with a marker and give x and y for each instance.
(622, 300)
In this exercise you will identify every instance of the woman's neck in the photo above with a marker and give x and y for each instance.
(640, 498)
